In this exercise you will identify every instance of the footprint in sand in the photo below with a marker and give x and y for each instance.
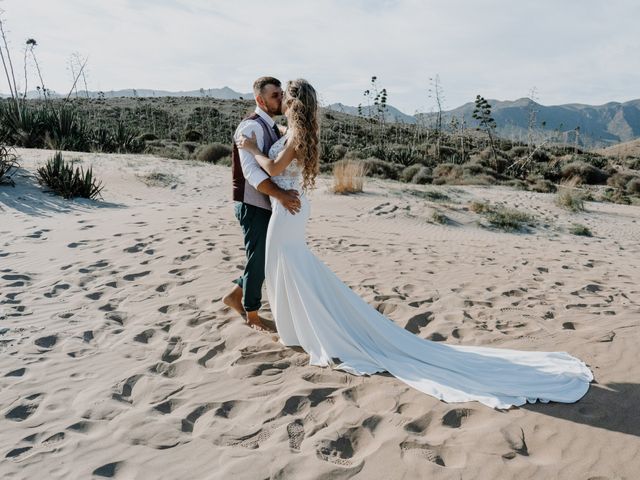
(454, 418)
(57, 289)
(426, 451)
(341, 450)
(295, 432)
(190, 420)
(134, 276)
(108, 470)
(126, 389)
(144, 336)
(419, 425)
(46, 342)
(24, 410)
(212, 353)
(173, 350)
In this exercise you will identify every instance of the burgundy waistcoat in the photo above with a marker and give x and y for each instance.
(242, 190)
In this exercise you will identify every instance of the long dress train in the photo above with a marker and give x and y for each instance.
(314, 309)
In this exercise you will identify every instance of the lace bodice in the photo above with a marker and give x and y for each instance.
(290, 179)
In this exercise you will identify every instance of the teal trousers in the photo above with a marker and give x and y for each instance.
(254, 222)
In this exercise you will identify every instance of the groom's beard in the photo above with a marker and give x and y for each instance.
(275, 111)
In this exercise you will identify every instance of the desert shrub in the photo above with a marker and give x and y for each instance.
(225, 161)
(579, 229)
(518, 151)
(447, 173)
(632, 163)
(190, 147)
(570, 199)
(8, 165)
(432, 195)
(540, 156)
(633, 186)
(439, 217)
(159, 179)
(479, 207)
(585, 172)
(167, 151)
(619, 180)
(423, 176)
(381, 169)
(508, 218)
(504, 218)
(409, 172)
(615, 195)
(338, 152)
(348, 176)
(483, 179)
(192, 136)
(542, 185)
(147, 137)
(471, 169)
(517, 184)
(212, 152)
(66, 181)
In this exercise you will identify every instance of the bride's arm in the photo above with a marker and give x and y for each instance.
(272, 167)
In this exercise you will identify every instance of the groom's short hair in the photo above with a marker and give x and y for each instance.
(259, 84)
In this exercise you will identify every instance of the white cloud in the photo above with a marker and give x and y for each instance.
(572, 51)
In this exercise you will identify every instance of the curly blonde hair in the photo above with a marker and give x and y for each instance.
(302, 113)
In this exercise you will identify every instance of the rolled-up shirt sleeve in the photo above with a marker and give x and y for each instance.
(253, 173)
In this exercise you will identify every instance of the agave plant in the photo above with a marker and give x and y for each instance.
(66, 129)
(66, 181)
(22, 124)
(8, 165)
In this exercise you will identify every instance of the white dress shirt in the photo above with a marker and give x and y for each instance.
(251, 170)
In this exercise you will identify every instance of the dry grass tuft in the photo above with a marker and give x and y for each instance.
(570, 197)
(348, 176)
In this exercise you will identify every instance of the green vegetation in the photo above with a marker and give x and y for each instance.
(579, 229)
(439, 217)
(64, 180)
(503, 218)
(570, 199)
(8, 165)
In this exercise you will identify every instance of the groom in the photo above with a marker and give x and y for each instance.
(252, 188)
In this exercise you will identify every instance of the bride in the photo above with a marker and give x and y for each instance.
(313, 309)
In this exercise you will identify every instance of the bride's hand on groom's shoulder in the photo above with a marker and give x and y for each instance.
(249, 144)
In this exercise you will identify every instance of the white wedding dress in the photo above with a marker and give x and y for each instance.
(313, 309)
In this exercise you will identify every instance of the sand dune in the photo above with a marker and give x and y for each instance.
(118, 358)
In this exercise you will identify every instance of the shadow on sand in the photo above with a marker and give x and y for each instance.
(614, 407)
(30, 198)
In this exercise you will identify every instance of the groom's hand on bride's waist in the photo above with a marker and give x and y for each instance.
(290, 200)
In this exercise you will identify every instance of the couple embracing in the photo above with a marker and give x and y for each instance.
(313, 309)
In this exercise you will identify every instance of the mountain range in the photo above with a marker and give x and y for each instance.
(224, 93)
(589, 125)
(594, 126)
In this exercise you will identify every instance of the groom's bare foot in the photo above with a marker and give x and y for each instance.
(234, 300)
(254, 321)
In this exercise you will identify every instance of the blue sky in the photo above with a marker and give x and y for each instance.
(572, 51)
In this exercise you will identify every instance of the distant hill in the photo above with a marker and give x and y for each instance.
(631, 149)
(224, 93)
(392, 114)
(600, 126)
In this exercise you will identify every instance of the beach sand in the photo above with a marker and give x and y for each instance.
(118, 358)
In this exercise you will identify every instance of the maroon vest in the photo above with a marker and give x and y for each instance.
(242, 190)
